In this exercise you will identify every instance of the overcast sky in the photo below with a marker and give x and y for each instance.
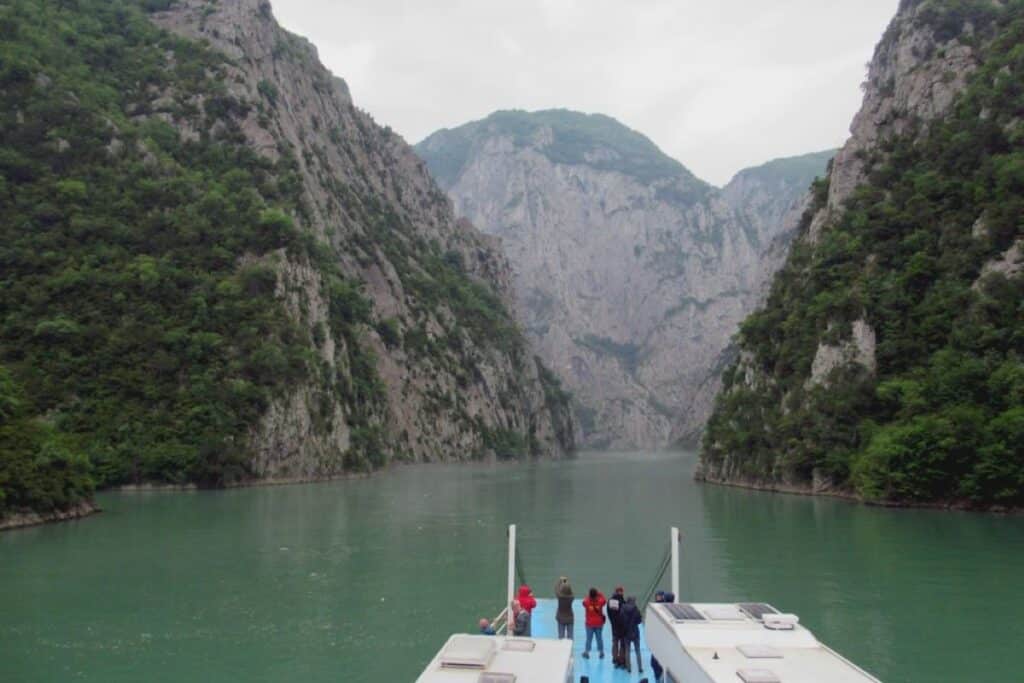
(718, 84)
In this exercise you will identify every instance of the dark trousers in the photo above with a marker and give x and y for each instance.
(565, 631)
(618, 649)
(625, 653)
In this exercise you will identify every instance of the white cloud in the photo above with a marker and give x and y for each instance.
(718, 85)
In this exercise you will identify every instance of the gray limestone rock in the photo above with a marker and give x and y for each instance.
(435, 407)
(632, 274)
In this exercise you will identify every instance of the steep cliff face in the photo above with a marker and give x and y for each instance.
(772, 197)
(886, 360)
(914, 77)
(456, 382)
(632, 273)
(243, 276)
(769, 202)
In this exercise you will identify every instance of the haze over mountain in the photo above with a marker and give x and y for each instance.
(217, 270)
(632, 273)
(719, 85)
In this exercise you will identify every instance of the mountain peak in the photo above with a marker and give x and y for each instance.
(563, 135)
(800, 169)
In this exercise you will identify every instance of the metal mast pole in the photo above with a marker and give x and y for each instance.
(674, 542)
(511, 577)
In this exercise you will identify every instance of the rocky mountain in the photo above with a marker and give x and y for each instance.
(771, 199)
(769, 196)
(887, 361)
(216, 268)
(632, 273)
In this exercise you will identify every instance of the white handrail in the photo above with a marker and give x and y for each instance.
(674, 541)
(500, 622)
(511, 577)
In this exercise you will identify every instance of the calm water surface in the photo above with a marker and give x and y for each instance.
(362, 580)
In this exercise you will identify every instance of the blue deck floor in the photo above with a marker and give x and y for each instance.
(599, 670)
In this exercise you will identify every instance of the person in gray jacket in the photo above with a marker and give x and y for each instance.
(564, 616)
(520, 620)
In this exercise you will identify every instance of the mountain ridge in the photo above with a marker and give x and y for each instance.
(614, 266)
(571, 135)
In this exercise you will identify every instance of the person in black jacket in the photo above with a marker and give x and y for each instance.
(631, 620)
(615, 604)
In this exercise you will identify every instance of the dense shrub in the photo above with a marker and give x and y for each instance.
(39, 469)
(137, 266)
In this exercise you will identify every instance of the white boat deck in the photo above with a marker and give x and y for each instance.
(596, 669)
(694, 642)
(725, 645)
(476, 658)
(550, 661)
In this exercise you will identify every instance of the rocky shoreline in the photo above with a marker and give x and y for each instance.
(26, 519)
(843, 494)
(20, 520)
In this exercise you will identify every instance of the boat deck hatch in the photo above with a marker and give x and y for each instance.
(519, 645)
(491, 677)
(684, 611)
(758, 676)
(757, 610)
(465, 652)
(724, 613)
(759, 651)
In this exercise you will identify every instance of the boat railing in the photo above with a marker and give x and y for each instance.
(500, 622)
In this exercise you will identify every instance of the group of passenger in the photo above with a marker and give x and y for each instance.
(624, 618)
(522, 609)
(621, 612)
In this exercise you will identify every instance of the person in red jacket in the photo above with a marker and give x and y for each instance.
(593, 607)
(526, 599)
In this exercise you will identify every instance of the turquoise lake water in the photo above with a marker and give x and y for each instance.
(362, 580)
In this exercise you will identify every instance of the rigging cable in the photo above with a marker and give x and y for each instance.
(666, 560)
(645, 597)
(520, 574)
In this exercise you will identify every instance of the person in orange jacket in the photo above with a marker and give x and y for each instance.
(593, 608)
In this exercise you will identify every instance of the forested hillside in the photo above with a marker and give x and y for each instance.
(889, 359)
(196, 288)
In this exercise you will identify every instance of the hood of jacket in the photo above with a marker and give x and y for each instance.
(525, 599)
